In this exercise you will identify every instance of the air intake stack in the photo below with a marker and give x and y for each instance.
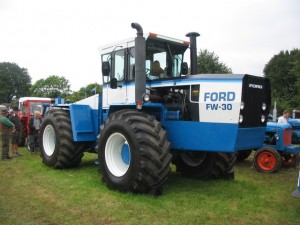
(193, 46)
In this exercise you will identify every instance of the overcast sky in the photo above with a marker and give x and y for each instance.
(61, 37)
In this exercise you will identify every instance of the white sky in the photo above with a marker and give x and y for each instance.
(61, 37)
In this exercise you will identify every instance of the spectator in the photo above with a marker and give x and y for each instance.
(284, 117)
(6, 128)
(15, 138)
(34, 128)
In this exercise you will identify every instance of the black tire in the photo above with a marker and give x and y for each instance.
(205, 165)
(147, 150)
(58, 150)
(195, 164)
(223, 167)
(267, 160)
(243, 154)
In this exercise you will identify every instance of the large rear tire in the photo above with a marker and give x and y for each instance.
(205, 165)
(58, 149)
(134, 153)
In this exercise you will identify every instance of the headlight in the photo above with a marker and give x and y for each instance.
(263, 118)
(241, 119)
(242, 105)
(146, 97)
(276, 136)
(264, 106)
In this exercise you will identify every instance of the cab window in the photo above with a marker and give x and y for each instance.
(119, 65)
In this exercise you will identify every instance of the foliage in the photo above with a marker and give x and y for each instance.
(85, 92)
(208, 62)
(283, 70)
(51, 87)
(32, 193)
(14, 81)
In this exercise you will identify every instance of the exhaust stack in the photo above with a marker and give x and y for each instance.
(140, 68)
(193, 46)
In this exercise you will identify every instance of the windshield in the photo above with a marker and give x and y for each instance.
(163, 59)
(35, 106)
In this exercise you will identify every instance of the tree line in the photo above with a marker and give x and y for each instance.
(283, 70)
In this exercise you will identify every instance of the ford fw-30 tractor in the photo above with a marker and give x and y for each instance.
(154, 111)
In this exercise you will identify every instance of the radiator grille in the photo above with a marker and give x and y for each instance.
(255, 92)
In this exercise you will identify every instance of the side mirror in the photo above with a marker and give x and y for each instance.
(113, 83)
(105, 68)
(184, 68)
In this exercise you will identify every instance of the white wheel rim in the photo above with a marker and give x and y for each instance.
(117, 154)
(49, 140)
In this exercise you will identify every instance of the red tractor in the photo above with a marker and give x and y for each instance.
(27, 106)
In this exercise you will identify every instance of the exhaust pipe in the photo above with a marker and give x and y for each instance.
(140, 68)
(193, 46)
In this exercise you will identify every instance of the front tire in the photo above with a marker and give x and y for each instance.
(134, 153)
(58, 149)
(267, 160)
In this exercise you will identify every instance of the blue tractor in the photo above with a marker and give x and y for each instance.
(155, 111)
(295, 123)
(277, 151)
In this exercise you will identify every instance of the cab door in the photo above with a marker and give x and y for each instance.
(118, 95)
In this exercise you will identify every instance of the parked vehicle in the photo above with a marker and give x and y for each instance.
(27, 107)
(277, 150)
(144, 120)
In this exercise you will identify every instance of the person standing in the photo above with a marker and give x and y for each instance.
(15, 138)
(284, 117)
(34, 128)
(6, 128)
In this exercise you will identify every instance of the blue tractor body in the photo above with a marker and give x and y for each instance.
(279, 137)
(154, 111)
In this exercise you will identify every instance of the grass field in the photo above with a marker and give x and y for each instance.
(31, 193)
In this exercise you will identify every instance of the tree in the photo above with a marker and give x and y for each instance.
(51, 87)
(14, 81)
(208, 62)
(283, 70)
(85, 92)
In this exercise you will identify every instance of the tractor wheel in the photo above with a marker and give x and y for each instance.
(134, 153)
(223, 167)
(195, 164)
(205, 165)
(267, 160)
(243, 154)
(58, 150)
(288, 160)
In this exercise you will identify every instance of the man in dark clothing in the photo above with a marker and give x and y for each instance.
(34, 128)
(15, 138)
(6, 128)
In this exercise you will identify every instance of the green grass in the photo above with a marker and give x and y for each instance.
(31, 193)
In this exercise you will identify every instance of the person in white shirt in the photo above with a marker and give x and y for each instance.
(284, 117)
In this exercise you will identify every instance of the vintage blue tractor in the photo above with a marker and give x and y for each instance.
(277, 150)
(154, 111)
(295, 123)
